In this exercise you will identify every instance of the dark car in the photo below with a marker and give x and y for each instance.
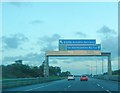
(83, 78)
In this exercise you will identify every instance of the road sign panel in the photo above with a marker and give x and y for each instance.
(77, 41)
(80, 47)
(84, 47)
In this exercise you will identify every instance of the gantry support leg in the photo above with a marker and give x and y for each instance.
(46, 67)
(109, 65)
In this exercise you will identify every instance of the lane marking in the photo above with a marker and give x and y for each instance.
(41, 86)
(36, 88)
(69, 86)
(46, 85)
(98, 84)
(103, 88)
(108, 91)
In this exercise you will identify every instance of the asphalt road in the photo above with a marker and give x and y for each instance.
(72, 85)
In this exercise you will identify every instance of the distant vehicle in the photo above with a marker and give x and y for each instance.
(83, 78)
(71, 77)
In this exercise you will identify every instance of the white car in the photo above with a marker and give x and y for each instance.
(71, 77)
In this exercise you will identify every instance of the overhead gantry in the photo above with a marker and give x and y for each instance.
(80, 53)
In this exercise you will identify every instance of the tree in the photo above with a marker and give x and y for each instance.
(54, 71)
(18, 70)
(41, 70)
(65, 73)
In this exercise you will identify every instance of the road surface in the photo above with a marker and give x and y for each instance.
(72, 85)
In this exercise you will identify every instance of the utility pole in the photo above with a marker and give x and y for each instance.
(102, 66)
(96, 67)
(103, 63)
(91, 68)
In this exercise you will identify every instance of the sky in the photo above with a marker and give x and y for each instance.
(31, 28)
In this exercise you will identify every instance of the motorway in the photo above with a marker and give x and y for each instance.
(72, 85)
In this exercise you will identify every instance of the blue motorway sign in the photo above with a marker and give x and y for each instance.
(77, 41)
(85, 47)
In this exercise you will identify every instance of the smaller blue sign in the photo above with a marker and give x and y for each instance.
(77, 41)
(87, 47)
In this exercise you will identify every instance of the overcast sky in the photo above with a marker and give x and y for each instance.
(30, 29)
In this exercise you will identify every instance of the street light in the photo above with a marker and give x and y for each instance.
(88, 69)
(102, 62)
(91, 68)
(96, 67)
(102, 66)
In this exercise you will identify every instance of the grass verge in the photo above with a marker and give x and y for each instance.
(10, 83)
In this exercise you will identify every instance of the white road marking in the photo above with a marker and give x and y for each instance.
(39, 87)
(103, 88)
(108, 91)
(35, 88)
(69, 86)
(98, 84)
(46, 85)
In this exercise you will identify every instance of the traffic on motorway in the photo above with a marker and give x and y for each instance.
(82, 77)
(71, 83)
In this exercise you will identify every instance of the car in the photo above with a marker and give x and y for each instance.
(83, 78)
(71, 77)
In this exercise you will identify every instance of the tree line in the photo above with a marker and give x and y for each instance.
(19, 70)
(116, 72)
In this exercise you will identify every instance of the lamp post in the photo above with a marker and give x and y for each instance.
(88, 69)
(102, 66)
(96, 67)
(103, 63)
(91, 68)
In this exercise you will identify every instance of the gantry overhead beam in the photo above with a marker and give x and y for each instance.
(79, 53)
(73, 53)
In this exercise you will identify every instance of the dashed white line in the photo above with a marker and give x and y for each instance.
(46, 85)
(35, 88)
(108, 91)
(98, 84)
(69, 86)
(59, 92)
(102, 87)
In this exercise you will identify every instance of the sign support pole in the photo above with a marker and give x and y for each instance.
(46, 67)
(109, 65)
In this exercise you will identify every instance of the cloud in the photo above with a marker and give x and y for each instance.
(81, 34)
(49, 43)
(68, 61)
(109, 40)
(30, 58)
(34, 22)
(13, 41)
(110, 44)
(71, 59)
(46, 43)
(106, 31)
(8, 60)
(16, 4)
(53, 62)
(20, 4)
(34, 57)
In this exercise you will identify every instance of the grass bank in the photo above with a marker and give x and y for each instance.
(9, 83)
